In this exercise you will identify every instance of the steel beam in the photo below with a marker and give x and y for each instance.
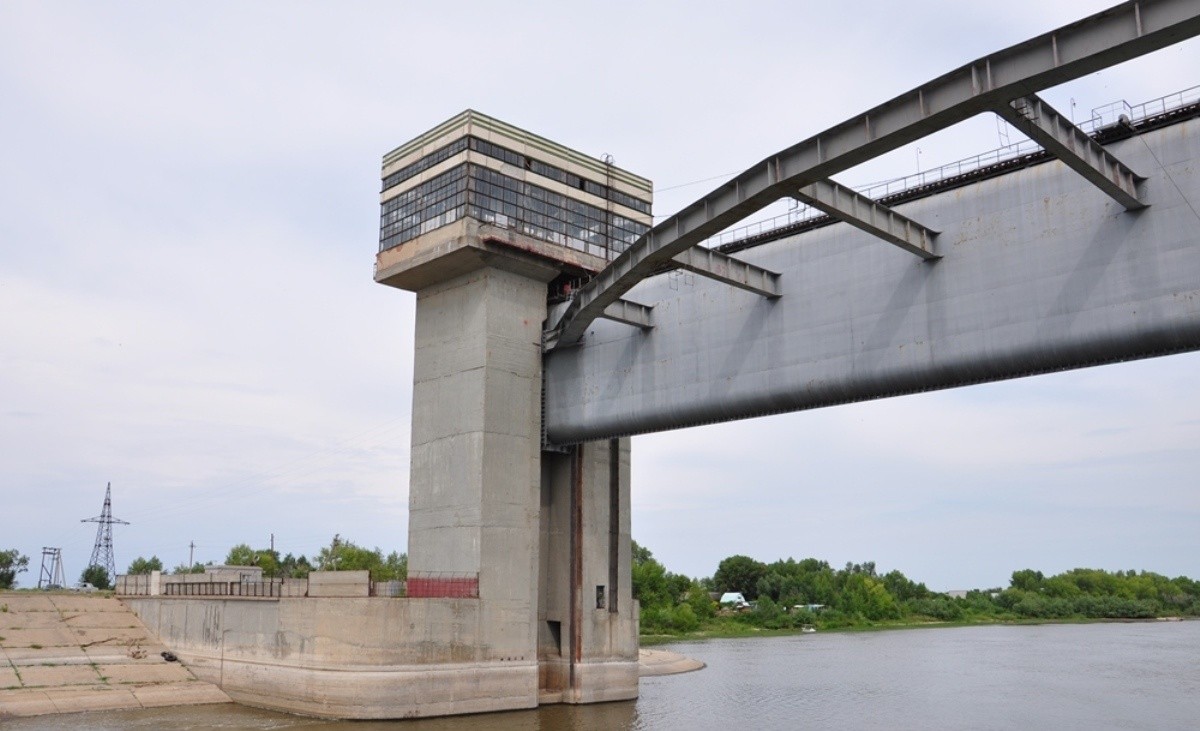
(863, 213)
(1118, 34)
(731, 271)
(630, 313)
(1061, 138)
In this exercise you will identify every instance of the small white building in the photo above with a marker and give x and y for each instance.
(733, 599)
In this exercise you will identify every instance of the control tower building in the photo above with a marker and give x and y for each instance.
(522, 552)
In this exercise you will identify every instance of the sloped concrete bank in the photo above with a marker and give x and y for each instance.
(665, 662)
(67, 652)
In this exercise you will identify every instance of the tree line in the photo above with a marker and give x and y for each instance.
(789, 594)
(339, 555)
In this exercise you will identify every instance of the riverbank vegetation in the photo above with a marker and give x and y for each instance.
(788, 594)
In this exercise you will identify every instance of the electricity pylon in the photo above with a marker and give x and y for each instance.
(102, 553)
(52, 570)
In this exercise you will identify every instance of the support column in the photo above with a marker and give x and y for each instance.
(476, 451)
(587, 644)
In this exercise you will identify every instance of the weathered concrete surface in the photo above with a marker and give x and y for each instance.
(339, 583)
(587, 618)
(346, 657)
(63, 653)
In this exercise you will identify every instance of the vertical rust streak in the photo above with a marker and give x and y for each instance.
(614, 522)
(576, 561)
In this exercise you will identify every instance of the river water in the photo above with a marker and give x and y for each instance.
(1066, 677)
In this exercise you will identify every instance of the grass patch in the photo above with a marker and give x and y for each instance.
(35, 647)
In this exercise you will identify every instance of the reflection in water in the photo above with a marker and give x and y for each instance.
(1071, 677)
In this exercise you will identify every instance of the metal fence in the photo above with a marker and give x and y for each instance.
(431, 585)
(264, 589)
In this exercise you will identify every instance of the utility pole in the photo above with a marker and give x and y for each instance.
(191, 555)
(272, 543)
(102, 552)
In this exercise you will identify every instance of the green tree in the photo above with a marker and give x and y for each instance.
(1027, 580)
(396, 566)
(264, 558)
(343, 555)
(649, 581)
(293, 567)
(196, 568)
(144, 566)
(12, 562)
(740, 574)
(241, 555)
(97, 576)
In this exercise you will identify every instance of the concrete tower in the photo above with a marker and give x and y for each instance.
(489, 225)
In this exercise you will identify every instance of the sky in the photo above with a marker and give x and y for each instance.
(189, 218)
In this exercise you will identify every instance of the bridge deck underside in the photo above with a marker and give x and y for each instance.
(1040, 272)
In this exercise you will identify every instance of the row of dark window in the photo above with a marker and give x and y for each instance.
(519, 160)
(432, 204)
(496, 198)
(420, 166)
(552, 212)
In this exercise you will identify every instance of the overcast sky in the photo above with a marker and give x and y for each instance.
(188, 222)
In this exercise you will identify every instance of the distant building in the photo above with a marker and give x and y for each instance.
(958, 593)
(733, 599)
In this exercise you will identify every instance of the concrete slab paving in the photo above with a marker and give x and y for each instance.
(89, 636)
(94, 654)
(45, 637)
(54, 676)
(28, 620)
(27, 602)
(124, 653)
(101, 698)
(9, 677)
(67, 655)
(120, 620)
(178, 694)
(18, 703)
(161, 672)
(70, 603)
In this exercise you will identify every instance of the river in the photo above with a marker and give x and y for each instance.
(1065, 677)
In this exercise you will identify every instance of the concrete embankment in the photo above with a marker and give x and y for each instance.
(67, 652)
(665, 662)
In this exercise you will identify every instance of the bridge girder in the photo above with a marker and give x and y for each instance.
(876, 219)
(1118, 34)
(1074, 147)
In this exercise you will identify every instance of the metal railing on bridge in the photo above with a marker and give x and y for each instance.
(1101, 117)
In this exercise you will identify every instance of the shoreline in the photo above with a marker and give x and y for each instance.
(749, 631)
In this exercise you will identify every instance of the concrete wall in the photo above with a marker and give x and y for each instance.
(346, 657)
(339, 583)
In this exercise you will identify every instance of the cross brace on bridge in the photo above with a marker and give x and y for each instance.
(863, 213)
(1118, 34)
(1078, 151)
